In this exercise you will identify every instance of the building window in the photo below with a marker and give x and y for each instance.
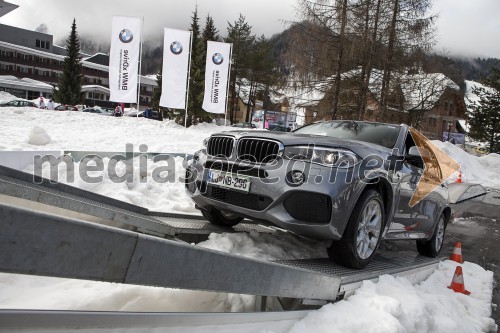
(47, 45)
(37, 43)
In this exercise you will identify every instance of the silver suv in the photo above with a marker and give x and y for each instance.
(346, 181)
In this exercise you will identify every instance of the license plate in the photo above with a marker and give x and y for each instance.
(229, 180)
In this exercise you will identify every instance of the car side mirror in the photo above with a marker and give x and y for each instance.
(413, 152)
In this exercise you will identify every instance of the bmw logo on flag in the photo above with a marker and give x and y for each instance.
(126, 36)
(176, 47)
(217, 58)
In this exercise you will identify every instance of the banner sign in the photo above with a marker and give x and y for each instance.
(176, 53)
(454, 137)
(124, 58)
(216, 76)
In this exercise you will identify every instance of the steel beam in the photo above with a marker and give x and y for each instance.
(32, 242)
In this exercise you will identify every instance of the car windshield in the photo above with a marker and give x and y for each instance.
(381, 134)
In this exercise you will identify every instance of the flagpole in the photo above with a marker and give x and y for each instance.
(189, 76)
(228, 81)
(139, 74)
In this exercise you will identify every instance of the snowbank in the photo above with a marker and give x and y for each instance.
(37, 292)
(142, 191)
(38, 136)
(92, 132)
(483, 170)
(395, 305)
(389, 305)
(6, 97)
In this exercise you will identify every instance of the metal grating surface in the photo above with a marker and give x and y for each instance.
(385, 262)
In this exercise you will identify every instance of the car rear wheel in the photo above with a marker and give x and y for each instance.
(221, 217)
(363, 232)
(432, 247)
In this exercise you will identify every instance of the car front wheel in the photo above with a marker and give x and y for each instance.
(363, 232)
(432, 247)
(221, 217)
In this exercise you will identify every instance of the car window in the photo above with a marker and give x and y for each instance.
(380, 134)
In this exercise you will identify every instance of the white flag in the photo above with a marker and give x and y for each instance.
(216, 76)
(124, 58)
(176, 53)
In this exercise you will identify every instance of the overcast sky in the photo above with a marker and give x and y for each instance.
(465, 27)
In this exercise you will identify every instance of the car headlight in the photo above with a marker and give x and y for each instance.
(205, 142)
(331, 157)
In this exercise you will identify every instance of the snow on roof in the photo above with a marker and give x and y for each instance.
(92, 87)
(148, 80)
(243, 90)
(470, 97)
(300, 94)
(25, 83)
(421, 90)
(50, 55)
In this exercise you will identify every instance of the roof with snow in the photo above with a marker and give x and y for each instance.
(99, 58)
(470, 97)
(24, 83)
(420, 90)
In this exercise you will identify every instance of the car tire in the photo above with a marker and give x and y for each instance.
(433, 246)
(218, 217)
(363, 232)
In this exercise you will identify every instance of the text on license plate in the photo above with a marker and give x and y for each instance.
(229, 180)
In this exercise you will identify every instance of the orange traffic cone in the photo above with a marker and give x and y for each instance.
(457, 253)
(457, 284)
(459, 179)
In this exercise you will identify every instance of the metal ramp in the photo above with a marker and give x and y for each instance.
(57, 230)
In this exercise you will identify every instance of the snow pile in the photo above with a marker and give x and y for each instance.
(38, 292)
(92, 132)
(143, 189)
(389, 305)
(481, 170)
(6, 97)
(395, 305)
(280, 245)
(38, 137)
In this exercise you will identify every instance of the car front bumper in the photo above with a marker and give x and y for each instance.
(319, 208)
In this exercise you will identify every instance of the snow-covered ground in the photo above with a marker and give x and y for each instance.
(389, 305)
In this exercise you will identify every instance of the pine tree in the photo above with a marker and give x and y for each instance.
(240, 35)
(155, 99)
(70, 82)
(197, 77)
(484, 120)
(210, 33)
(261, 72)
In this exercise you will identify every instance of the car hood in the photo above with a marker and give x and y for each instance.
(361, 148)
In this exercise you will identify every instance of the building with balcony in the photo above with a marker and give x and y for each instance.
(29, 60)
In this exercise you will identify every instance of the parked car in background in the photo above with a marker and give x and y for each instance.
(279, 128)
(141, 114)
(98, 111)
(245, 125)
(481, 150)
(350, 182)
(19, 103)
(64, 107)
